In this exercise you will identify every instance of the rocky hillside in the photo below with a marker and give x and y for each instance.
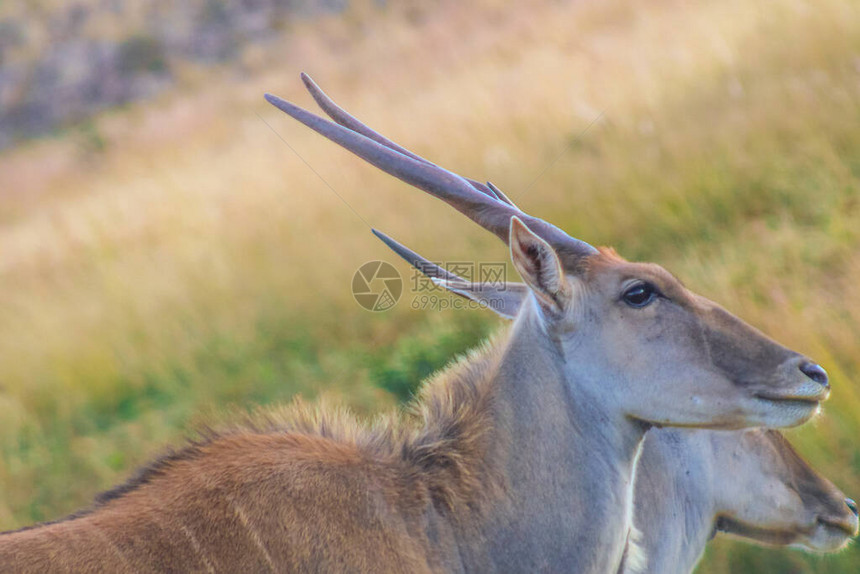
(59, 64)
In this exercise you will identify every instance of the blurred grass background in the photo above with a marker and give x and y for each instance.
(172, 261)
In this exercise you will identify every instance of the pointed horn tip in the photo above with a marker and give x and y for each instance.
(288, 108)
(391, 243)
(308, 81)
(279, 103)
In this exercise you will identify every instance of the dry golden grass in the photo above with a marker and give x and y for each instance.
(195, 265)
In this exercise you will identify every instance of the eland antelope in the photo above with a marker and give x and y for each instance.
(691, 484)
(519, 459)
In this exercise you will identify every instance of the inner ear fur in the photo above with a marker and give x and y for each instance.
(539, 266)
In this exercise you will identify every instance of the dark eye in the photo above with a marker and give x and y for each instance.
(640, 295)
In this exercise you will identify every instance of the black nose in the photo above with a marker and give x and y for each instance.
(853, 506)
(815, 372)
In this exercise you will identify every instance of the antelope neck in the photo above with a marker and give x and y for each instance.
(675, 502)
(566, 459)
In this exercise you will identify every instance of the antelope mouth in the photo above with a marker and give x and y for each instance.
(830, 535)
(792, 400)
(772, 536)
(840, 527)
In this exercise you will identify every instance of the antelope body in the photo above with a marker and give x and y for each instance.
(520, 460)
(691, 484)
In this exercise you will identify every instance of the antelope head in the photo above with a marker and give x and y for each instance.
(774, 497)
(631, 332)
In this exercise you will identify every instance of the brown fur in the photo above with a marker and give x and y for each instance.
(264, 495)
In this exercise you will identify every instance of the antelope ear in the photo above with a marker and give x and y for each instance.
(539, 266)
(504, 300)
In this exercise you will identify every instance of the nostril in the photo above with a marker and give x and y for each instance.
(853, 506)
(815, 372)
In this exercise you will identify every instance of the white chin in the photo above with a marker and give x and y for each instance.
(780, 414)
(826, 539)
